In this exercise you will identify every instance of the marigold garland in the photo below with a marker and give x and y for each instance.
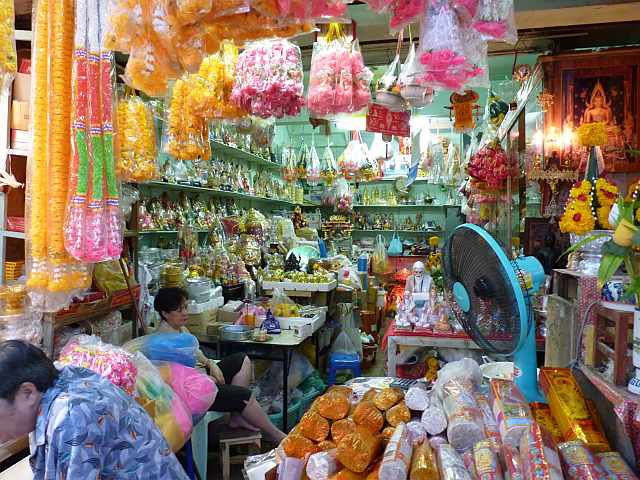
(606, 192)
(592, 134)
(577, 219)
(603, 216)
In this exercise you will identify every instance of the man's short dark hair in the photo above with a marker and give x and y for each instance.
(169, 299)
(21, 362)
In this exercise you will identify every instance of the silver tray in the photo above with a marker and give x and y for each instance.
(236, 332)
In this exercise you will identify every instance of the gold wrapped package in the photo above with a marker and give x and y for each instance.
(570, 409)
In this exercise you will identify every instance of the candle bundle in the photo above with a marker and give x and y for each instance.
(53, 277)
(269, 79)
(94, 225)
(8, 60)
(136, 159)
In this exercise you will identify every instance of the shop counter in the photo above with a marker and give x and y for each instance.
(20, 471)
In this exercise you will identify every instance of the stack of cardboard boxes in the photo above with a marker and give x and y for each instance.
(20, 110)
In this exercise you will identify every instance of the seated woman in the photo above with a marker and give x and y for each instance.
(232, 374)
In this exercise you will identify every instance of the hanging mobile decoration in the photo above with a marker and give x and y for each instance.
(465, 109)
(94, 223)
(53, 277)
(545, 100)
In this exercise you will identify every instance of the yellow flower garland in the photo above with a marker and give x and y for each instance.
(577, 219)
(592, 134)
(606, 192)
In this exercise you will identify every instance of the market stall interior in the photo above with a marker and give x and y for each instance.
(380, 239)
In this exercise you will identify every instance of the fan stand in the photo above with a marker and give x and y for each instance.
(527, 380)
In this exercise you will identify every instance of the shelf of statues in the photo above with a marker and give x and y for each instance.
(387, 222)
(336, 227)
(228, 179)
(247, 144)
(161, 214)
(375, 197)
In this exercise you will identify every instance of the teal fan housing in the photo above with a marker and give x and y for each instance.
(490, 297)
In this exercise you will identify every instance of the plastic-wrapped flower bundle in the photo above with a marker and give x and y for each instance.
(405, 12)
(269, 79)
(218, 72)
(187, 132)
(113, 363)
(8, 58)
(136, 159)
(338, 80)
(495, 20)
(453, 55)
(52, 275)
(491, 165)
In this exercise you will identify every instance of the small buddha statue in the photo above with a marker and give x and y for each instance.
(599, 108)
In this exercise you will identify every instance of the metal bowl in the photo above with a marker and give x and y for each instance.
(236, 332)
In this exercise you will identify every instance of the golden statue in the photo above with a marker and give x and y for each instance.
(599, 108)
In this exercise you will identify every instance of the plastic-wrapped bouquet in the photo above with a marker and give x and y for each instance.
(338, 78)
(491, 165)
(269, 79)
(452, 54)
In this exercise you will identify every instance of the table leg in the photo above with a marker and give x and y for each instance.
(285, 389)
(316, 343)
(391, 356)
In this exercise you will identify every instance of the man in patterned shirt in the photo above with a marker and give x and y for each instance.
(82, 427)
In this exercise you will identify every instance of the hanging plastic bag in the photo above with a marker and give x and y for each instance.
(495, 20)
(342, 198)
(379, 6)
(379, 259)
(343, 344)
(313, 165)
(352, 158)
(362, 77)
(8, 57)
(379, 150)
(329, 167)
(388, 88)
(330, 75)
(405, 12)
(137, 152)
(301, 162)
(444, 49)
(411, 91)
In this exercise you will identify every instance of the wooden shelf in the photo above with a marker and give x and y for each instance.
(9, 234)
(234, 152)
(215, 192)
(13, 447)
(404, 206)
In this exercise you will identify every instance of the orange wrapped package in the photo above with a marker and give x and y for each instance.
(397, 414)
(297, 446)
(367, 415)
(386, 434)
(326, 445)
(314, 426)
(341, 389)
(333, 406)
(346, 474)
(341, 428)
(357, 450)
(370, 396)
(373, 472)
(388, 397)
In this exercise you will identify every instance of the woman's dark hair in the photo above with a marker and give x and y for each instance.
(21, 362)
(169, 299)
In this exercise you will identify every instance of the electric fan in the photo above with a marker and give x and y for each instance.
(490, 296)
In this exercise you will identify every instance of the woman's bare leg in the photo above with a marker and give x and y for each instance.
(244, 375)
(254, 414)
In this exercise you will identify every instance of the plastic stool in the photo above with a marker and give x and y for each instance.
(343, 361)
(200, 442)
(237, 437)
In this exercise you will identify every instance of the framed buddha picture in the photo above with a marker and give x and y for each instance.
(596, 87)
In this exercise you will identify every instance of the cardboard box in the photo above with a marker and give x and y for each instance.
(22, 87)
(21, 139)
(20, 115)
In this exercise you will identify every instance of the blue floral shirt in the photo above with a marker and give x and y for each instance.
(89, 429)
